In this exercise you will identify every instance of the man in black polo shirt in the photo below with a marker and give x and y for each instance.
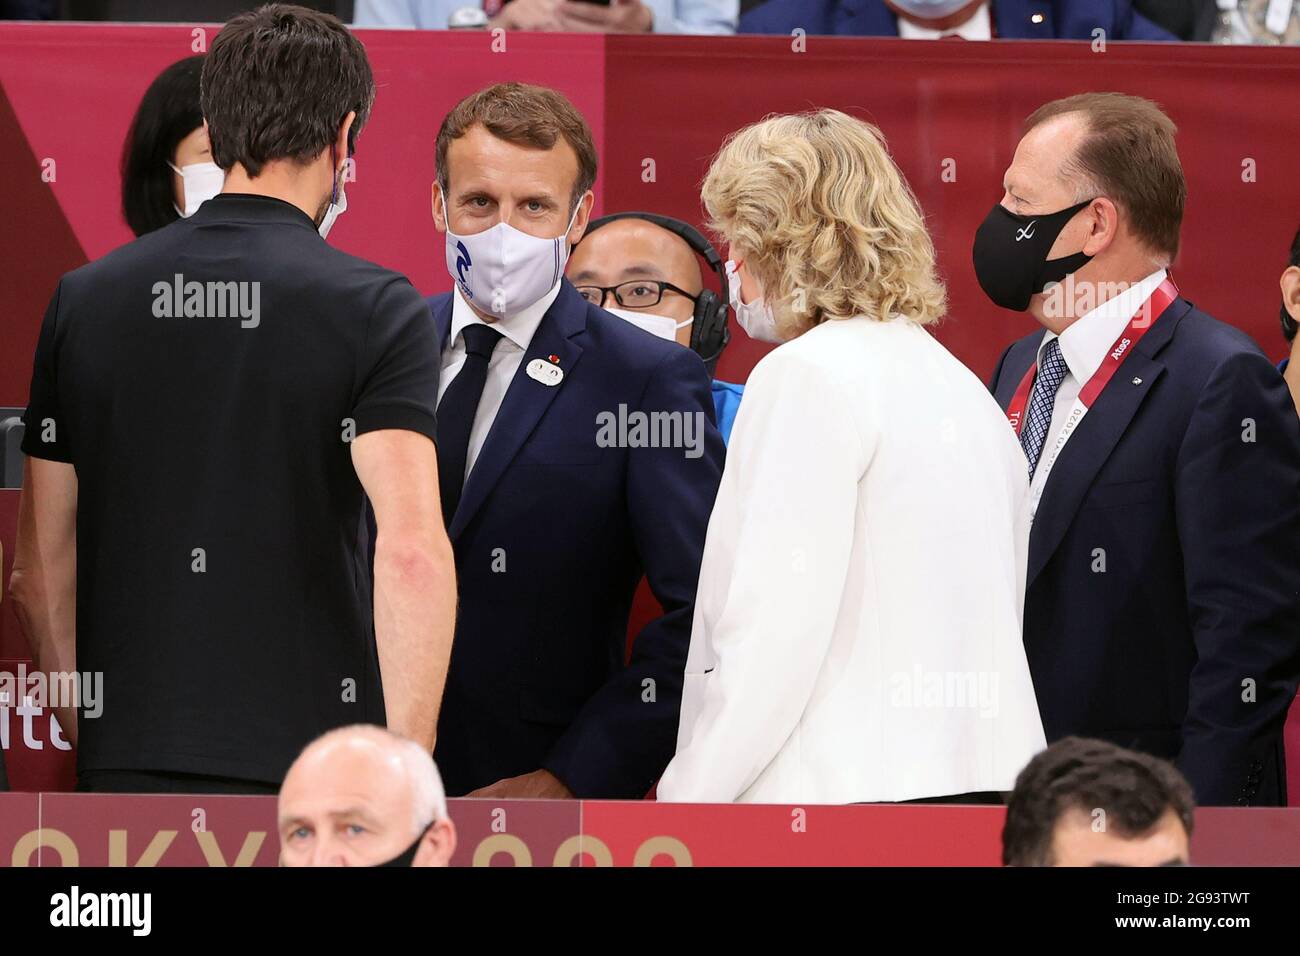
(209, 405)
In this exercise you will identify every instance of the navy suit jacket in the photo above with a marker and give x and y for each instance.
(1061, 19)
(1163, 602)
(552, 535)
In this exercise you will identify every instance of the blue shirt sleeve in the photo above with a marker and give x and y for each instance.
(726, 402)
(694, 16)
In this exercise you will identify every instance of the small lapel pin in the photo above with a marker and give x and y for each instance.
(548, 373)
(1137, 381)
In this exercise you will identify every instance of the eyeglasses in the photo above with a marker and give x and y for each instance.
(633, 294)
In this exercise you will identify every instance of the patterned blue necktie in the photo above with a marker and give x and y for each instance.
(1038, 417)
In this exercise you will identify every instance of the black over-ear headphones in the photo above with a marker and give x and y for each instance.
(709, 330)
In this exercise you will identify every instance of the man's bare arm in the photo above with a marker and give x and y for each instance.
(43, 585)
(415, 577)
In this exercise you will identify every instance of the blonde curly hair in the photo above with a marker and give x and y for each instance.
(824, 220)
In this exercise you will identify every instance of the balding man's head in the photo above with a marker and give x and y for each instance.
(630, 249)
(361, 796)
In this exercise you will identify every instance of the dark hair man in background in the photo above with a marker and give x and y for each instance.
(1290, 316)
(1161, 611)
(1089, 803)
(554, 516)
(207, 405)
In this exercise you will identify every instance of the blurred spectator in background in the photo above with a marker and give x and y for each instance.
(1090, 803)
(969, 19)
(570, 16)
(1290, 316)
(167, 167)
(1258, 21)
(1185, 19)
(643, 268)
(29, 9)
(155, 11)
(361, 796)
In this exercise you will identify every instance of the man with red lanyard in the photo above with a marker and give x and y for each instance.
(1162, 609)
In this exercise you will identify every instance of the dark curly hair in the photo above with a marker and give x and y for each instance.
(1075, 773)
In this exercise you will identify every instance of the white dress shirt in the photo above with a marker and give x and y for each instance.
(516, 334)
(857, 630)
(978, 27)
(1084, 345)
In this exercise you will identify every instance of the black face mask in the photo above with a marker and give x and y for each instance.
(407, 856)
(1010, 255)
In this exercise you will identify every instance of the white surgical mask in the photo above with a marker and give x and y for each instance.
(755, 317)
(503, 270)
(332, 214)
(664, 326)
(201, 181)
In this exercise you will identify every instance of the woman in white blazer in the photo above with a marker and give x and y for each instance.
(857, 631)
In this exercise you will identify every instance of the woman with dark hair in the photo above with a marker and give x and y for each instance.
(167, 168)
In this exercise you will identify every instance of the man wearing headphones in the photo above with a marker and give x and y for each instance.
(644, 268)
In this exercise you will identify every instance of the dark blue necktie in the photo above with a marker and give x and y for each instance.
(1038, 417)
(456, 413)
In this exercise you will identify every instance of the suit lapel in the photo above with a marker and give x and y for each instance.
(526, 401)
(863, 18)
(1096, 437)
(442, 319)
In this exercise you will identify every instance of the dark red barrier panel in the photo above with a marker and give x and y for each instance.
(86, 830)
(660, 106)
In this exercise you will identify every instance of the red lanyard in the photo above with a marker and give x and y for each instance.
(1143, 319)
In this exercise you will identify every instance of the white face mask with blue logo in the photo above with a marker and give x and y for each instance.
(501, 270)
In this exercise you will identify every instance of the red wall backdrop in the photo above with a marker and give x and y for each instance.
(67, 93)
(966, 102)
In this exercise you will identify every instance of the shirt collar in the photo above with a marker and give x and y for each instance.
(1087, 339)
(248, 207)
(518, 328)
(978, 26)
